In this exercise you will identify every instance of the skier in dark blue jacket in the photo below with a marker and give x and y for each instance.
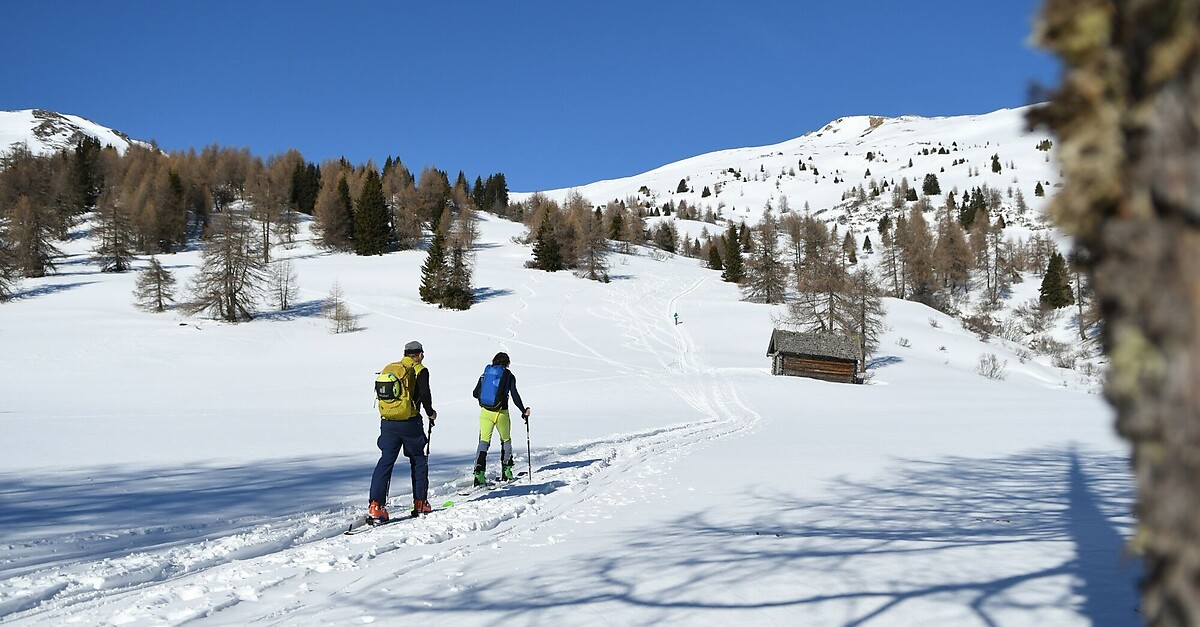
(494, 416)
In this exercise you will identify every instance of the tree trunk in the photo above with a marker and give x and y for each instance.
(1128, 119)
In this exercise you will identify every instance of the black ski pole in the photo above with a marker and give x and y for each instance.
(428, 438)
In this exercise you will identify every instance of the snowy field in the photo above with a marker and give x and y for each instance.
(159, 469)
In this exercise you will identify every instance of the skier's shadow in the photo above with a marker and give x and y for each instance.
(524, 489)
(583, 463)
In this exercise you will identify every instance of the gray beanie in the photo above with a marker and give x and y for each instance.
(414, 347)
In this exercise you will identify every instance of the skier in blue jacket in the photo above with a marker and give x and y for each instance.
(495, 417)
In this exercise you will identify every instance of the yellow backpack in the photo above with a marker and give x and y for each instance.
(395, 390)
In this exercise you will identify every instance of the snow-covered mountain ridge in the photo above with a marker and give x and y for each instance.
(45, 132)
(822, 168)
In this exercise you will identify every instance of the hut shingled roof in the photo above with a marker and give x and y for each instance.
(824, 344)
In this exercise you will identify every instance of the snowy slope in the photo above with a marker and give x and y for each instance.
(46, 132)
(159, 469)
(750, 178)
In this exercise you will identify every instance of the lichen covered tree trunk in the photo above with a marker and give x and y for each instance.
(1127, 116)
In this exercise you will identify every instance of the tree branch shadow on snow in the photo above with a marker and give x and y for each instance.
(987, 536)
(114, 511)
(46, 290)
(306, 309)
(884, 361)
(481, 294)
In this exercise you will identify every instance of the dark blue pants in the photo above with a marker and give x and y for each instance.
(394, 434)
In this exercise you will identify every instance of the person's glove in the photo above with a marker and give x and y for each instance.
(432, 418)
(525, 414)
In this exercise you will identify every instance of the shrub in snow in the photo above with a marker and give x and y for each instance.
(991, 367)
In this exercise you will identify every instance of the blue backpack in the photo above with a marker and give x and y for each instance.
(490, 394)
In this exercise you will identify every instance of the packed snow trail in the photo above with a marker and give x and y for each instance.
(175, 574)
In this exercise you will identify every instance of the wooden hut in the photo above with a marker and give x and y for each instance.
(816, 355)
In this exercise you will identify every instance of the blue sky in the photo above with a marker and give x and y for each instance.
(553, 93)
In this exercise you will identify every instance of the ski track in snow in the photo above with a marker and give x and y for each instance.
(198, 571)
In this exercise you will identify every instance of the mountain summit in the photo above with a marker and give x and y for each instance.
(45, 131)
(849, 168)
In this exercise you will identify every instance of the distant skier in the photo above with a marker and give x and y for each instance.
(676, 317)
(492, 391)
(402, 389)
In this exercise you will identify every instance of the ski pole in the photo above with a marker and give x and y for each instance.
(528, 450)
(428, 438)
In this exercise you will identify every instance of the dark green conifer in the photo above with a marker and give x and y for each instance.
(547, 254)
(458, 294)
(930, 187)
(372, 222)
(735, 268)
(714, 257)
(1055, 292)
(433, 273)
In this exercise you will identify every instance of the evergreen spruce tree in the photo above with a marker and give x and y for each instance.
(154, 287)
(433, 273)
(714, 256)
(1055, 292)
(547, 253)
(734, 267)
(614, 226)
(931, 187)
(491, 195)
(372, 221)
(458, 294)
(344, 208)
(996, 164)
(306, 184)
(86, 175)
(665, 236)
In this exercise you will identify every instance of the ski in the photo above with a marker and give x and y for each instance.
(490, 485)
(363, 524)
